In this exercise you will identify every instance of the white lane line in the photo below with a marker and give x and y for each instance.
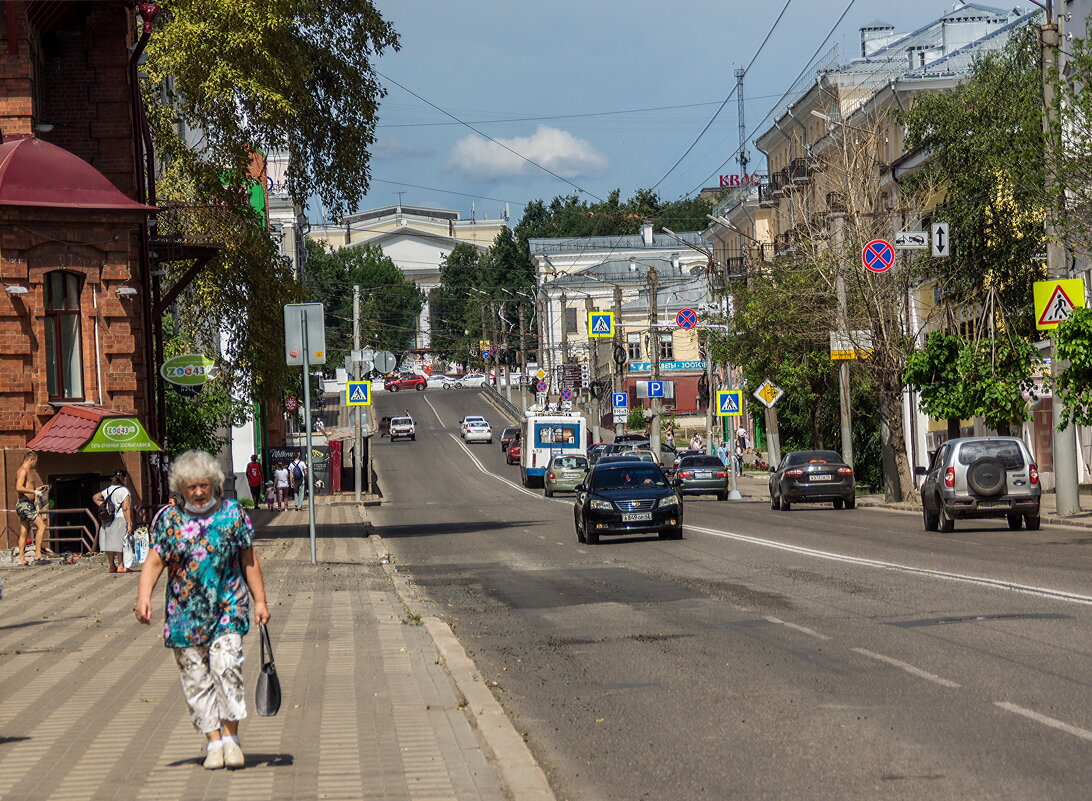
(438, 418)
(482, 468)
(1027, 589)
(801, 629)
(908, 668)
(1054, 723)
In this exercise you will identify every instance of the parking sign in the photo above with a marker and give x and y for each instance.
(621, 400)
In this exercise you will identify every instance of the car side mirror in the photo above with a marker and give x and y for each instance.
(581, 488)
(772, 469)
(921, 471)
(677, 482)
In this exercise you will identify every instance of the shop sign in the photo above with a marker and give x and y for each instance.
(120, 435)
(189, 369)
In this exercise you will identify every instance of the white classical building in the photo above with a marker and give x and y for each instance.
(417, 239)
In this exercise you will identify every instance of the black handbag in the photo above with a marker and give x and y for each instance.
(267, 695)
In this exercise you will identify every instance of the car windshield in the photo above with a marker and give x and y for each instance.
(570, 463)
(509, 432)
(1008, 453)
(809, 457)
(701, 461)
(402, 421)
(628, 476)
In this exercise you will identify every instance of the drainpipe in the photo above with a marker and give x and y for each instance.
(145, 172)
(98, 349)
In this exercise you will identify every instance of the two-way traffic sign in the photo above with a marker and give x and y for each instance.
(358, 393)
(942, 245)
(729, 402)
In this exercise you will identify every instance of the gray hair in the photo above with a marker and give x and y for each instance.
(193, 466)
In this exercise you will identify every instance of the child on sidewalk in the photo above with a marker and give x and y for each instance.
(270, 495)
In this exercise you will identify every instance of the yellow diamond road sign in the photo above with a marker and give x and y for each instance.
(768, 394)
(541, 374)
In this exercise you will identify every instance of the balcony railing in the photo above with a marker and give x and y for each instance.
(800, 170)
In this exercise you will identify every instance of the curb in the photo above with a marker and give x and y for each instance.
(519, 772)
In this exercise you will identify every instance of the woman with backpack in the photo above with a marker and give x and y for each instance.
(115, 511)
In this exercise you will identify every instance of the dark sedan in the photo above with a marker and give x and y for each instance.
(812, 477)
(507, 437)
(703, 475)
(627, 498)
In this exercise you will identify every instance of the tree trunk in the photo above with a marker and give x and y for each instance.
(953, 427)
(897, 484)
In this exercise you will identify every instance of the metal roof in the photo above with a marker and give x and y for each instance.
(70, 429)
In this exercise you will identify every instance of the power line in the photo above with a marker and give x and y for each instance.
(726, 99)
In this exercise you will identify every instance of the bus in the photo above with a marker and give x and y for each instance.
(546, 435)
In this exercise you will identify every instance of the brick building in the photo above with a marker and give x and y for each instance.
(75, 292)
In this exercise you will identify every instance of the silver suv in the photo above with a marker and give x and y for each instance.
(980, 477)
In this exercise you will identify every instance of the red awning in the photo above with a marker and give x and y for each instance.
(70, 429)
(37, 173)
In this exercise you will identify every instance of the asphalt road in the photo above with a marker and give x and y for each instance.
(814, 654)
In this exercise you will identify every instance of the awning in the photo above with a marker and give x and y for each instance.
(92, 429)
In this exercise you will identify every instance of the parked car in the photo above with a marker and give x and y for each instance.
(403, 427)
(703, 475)
(980, 477)
(478, 432)
(564, 473)
(474, 380)
(406, 381)
(641, 456)
(685, 454)
(469, 419)
(507, 437)
(514, 452)
(631, 438)
(596, 450)
(441, 380)
(812, 477)
(627, 497)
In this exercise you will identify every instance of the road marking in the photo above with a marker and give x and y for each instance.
(438, 418)
(1027, 589)
(801, 629)
(482, 467)
(908, 668)
(1054, 723)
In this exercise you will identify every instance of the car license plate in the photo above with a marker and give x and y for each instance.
(636, 517)
(993, 504)
(703, 474)
(820, 477)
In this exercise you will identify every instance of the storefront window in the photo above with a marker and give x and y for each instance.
(63, 338)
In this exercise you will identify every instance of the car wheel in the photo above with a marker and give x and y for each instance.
(393, 389)
(931, 520)
(420, 387)
(947, 523)
(851, 503)
(1031, 522)
(784, 505)
(677, 533)
(774, 503)
(722, 496)
(838, 504)
(414, 437)
(591, 537)
(1015, 521)
(549, 493)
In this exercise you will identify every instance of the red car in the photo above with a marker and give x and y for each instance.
(513, 453)
(406, 381)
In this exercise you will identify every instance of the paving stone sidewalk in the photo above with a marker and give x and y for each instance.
(92, 708)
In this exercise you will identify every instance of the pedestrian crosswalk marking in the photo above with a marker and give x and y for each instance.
(729, 402)
(358, 393)
(600, 324)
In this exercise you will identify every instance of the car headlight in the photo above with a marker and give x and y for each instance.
(602, 506)
(671, 500)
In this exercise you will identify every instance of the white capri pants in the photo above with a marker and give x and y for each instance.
(212, 681)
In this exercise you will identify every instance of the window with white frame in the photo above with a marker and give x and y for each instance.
(63, 337)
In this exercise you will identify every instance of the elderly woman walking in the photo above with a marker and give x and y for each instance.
(205, 544)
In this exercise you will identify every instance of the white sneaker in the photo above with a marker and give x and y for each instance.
(214, 760)
(233, 755)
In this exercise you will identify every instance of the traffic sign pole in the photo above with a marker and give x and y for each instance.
(307, 421)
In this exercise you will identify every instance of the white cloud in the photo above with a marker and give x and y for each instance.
(556, 150)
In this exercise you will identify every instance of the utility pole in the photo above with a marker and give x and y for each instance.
(616, 384)
(845, 412)
(485, 338)
(654, 346)
(1066, 478)
(523, 353)
(593, 370)
(358, 440)
(564, 329)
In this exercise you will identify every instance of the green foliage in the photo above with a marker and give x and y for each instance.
(1073, 385)
(988, 159)
(456, 311)
(279, 75)
(572, 217)
(389, 302)
(933, 371)
(637, 421)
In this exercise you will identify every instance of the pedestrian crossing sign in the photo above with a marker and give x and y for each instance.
(1056, 300)
(600, 324)
(729, 402)
(358, 393)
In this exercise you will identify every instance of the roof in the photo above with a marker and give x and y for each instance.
(70, 429)
(37, 173)
(613, 243)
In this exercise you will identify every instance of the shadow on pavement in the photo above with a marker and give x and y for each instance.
(439, 529)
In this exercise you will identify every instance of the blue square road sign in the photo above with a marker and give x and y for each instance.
(621, 400)
(358, 393)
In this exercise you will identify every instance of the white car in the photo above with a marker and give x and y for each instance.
(441, 380)
(469, 420)
(475, 380)
(403, 427)
(478, 432)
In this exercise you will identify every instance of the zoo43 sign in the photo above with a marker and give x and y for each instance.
(120, 434)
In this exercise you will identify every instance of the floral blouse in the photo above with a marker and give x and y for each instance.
(206, 592)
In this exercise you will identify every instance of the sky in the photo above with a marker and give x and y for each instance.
(599, 95)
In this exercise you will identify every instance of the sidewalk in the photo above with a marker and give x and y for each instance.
(378, 702)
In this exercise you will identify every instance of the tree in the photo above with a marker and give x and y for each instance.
(283, 76)
(1073, 386)
(456, 314)
(389, 302)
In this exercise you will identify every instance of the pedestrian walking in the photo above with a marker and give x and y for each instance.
(116, 515)
(206, 545)
(270, 495)
(282, 483)
(695, 442)
(255, 479)
(722, 454)
(29, 507)
(669, 432)
(739, 460)
(297, 472)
